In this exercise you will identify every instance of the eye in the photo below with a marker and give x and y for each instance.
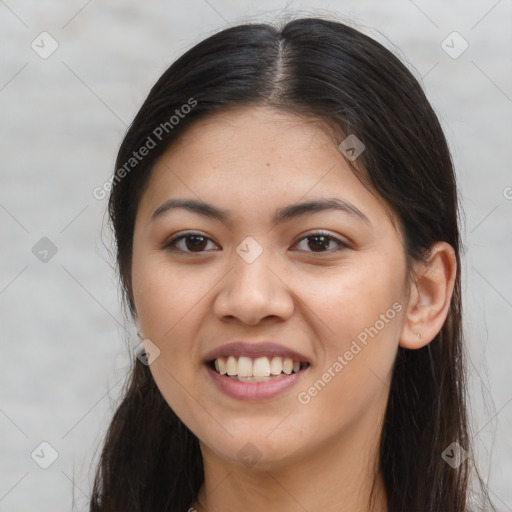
(320, 241)
(197, 243)
(188, 243)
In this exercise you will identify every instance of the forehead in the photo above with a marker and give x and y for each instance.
(255, 158)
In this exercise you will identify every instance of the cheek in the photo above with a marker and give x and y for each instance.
(163, 295)
(350, 301)
(359, 317)
(354, 371)
(169, 308)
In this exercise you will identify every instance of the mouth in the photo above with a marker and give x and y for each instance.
(256, 369)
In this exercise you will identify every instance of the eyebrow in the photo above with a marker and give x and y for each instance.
(283, 214)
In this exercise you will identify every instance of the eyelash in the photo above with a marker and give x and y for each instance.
(171, 244)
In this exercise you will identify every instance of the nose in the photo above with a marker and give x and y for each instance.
(253, 291)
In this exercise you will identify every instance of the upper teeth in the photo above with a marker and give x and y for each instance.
(259, 367)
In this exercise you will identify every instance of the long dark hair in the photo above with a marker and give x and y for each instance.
(312, 67)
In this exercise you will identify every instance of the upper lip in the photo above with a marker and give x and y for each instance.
(253, 349)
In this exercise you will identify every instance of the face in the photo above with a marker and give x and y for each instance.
(265, 287)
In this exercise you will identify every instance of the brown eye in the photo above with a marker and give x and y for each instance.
(195, 242)
(192, 243)
(320, 242)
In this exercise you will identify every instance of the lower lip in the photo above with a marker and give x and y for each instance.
(254, 391)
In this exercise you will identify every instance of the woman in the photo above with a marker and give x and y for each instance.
(285, 211)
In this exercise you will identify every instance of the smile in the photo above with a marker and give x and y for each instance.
(255, 388)
(260, 369)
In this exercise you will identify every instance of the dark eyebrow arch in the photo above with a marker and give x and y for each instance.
(283, 214)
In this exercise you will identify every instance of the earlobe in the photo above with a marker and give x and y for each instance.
(430, 297)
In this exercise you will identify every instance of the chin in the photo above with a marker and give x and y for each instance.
(258, 452)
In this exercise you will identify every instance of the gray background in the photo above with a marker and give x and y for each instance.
(64, 340)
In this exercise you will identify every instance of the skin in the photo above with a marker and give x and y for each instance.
(253, 161)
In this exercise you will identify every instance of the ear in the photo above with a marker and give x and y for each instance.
(430, 297)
